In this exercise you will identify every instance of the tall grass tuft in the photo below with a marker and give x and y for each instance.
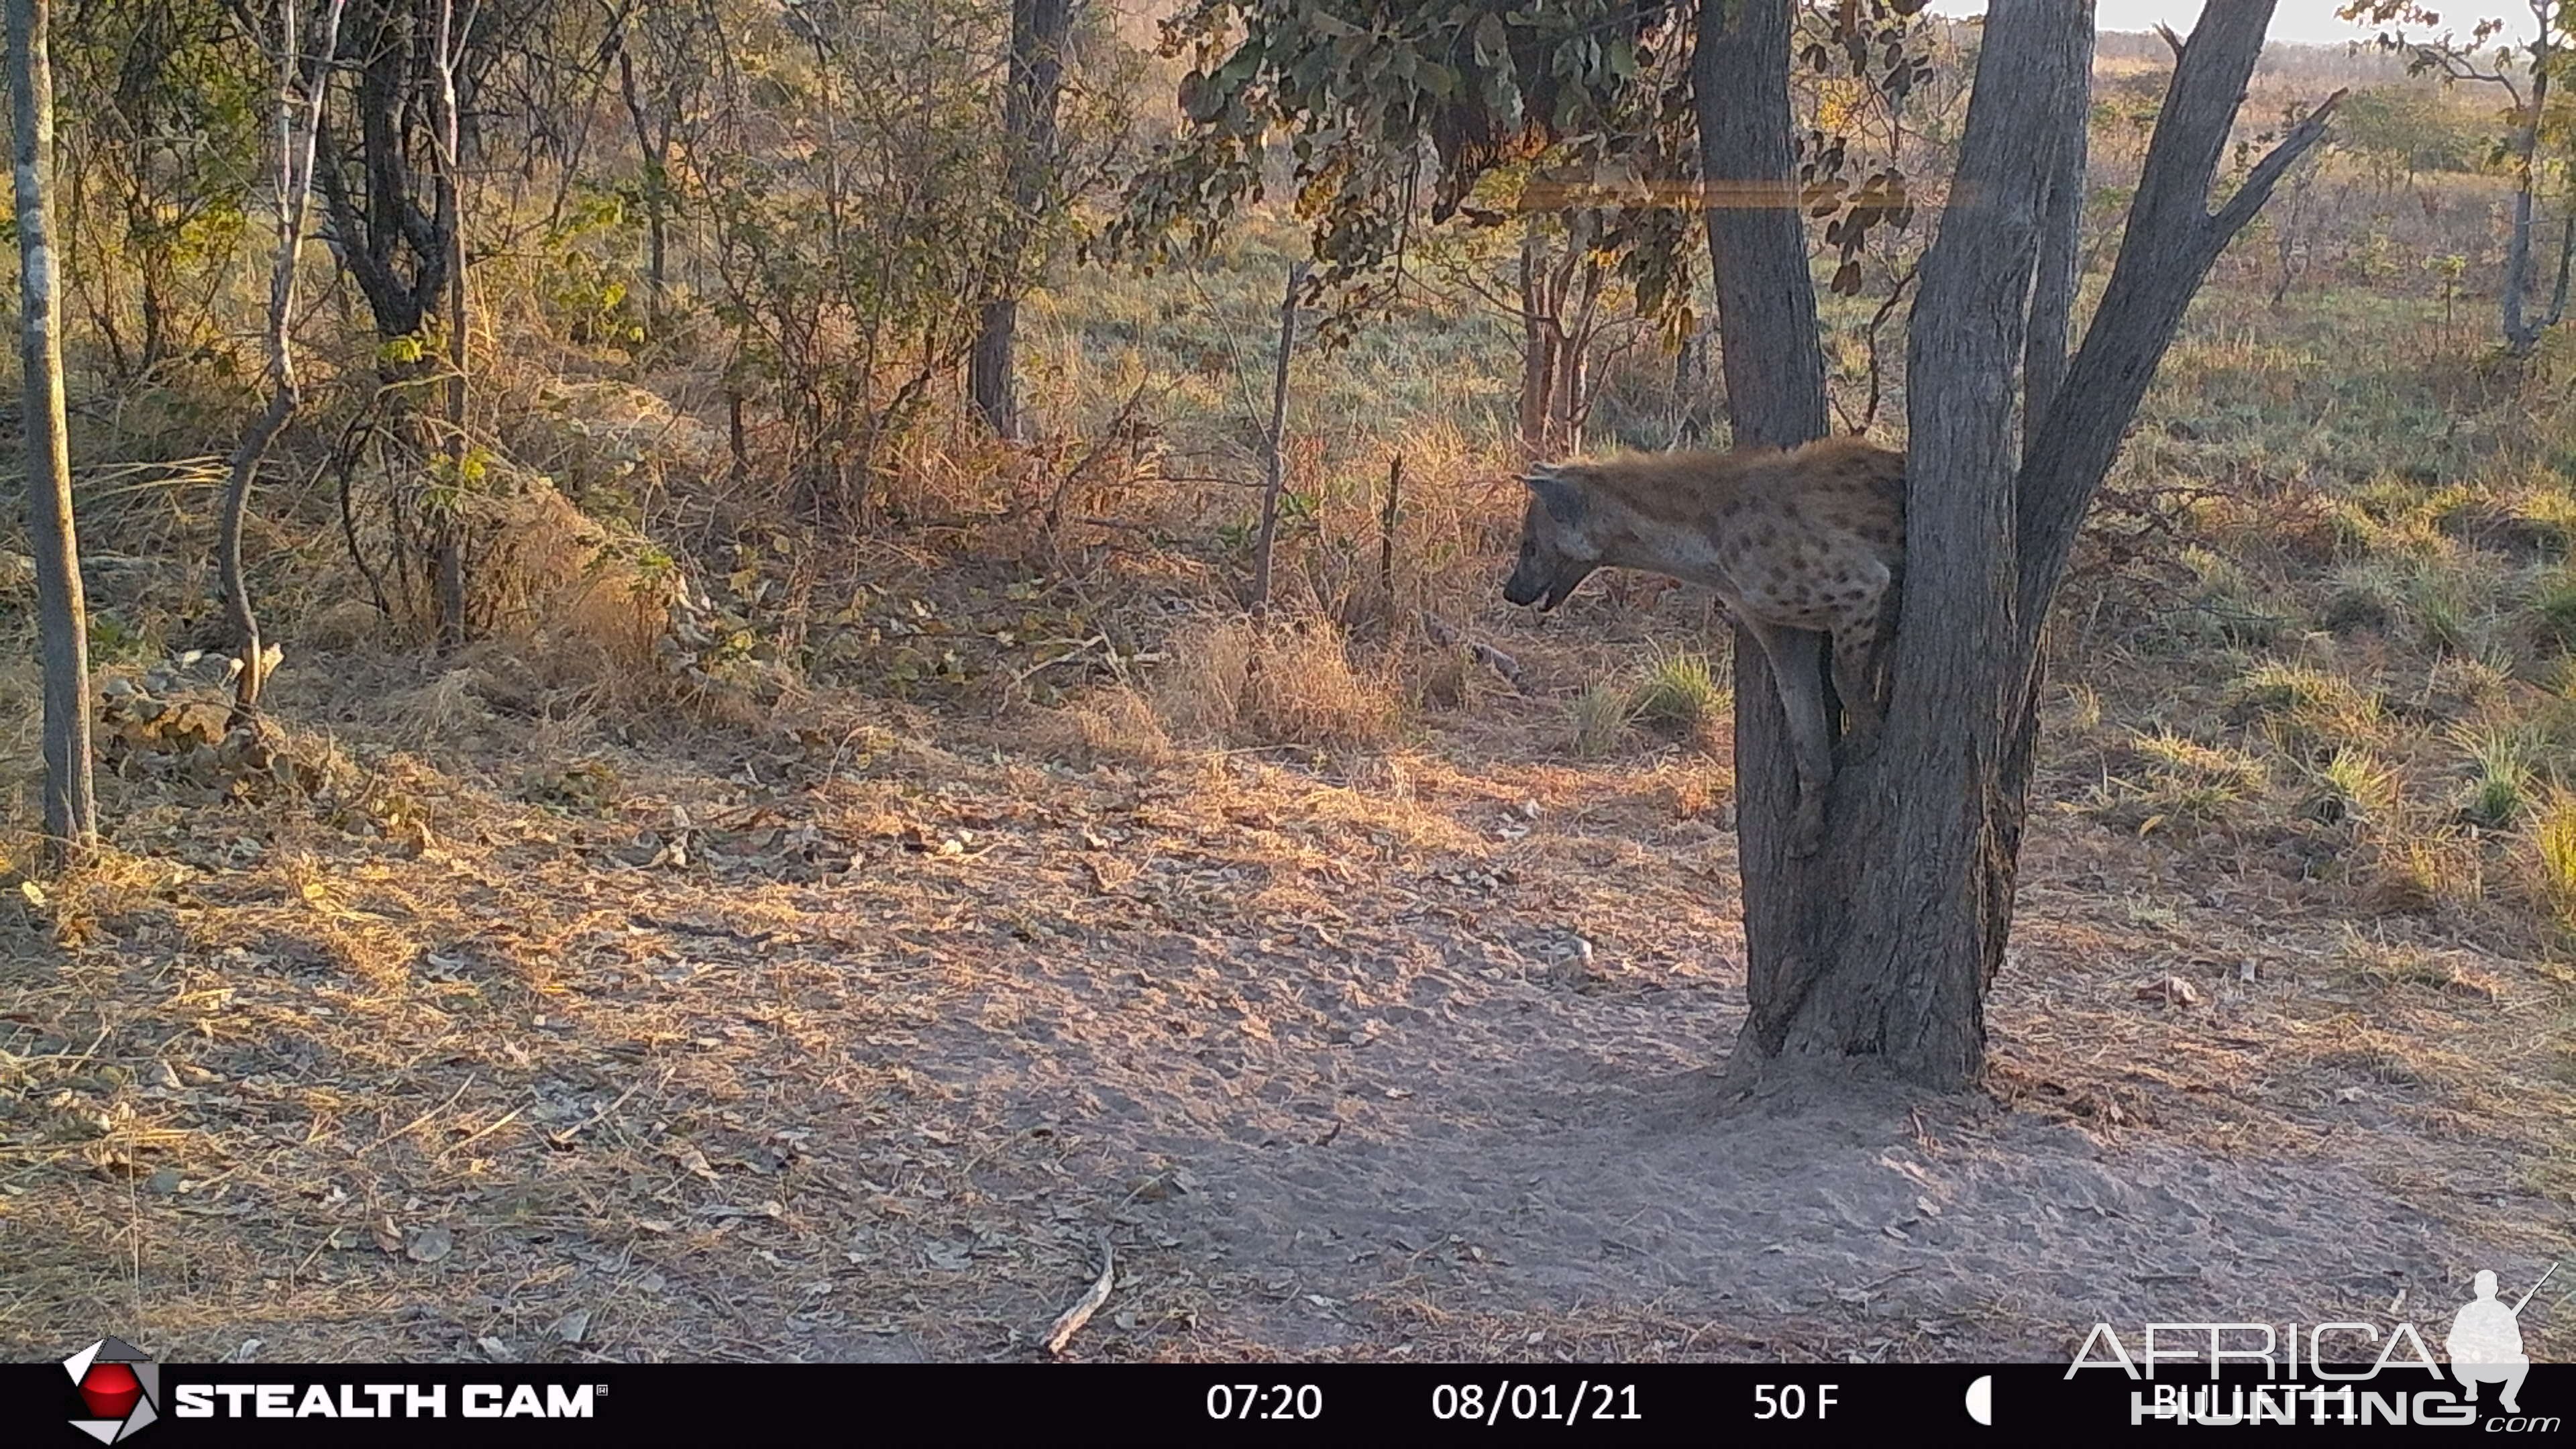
(2553, 838)
(1601, 718)
(2501, 762)
(2353, 784)
(2556, 606)
(1680, 693)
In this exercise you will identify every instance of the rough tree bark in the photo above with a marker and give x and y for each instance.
(298, 118)
(62, 615)
(1923, 830)
(1773, 367)
(1038, 29)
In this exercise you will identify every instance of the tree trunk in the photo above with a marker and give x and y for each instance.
(294, 178)
(1903, 952)
(448, 537)
(653, 145)
(2520, 336)
(1693, 392)
(1038, 29)
(2060, 267)
(1773, 368)
(1538, 355)
(2566, 257)
(1884, 943)
(62, 615)
(1275, 442)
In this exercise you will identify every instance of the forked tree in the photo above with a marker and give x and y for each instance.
(62, 615)
(1883, 943)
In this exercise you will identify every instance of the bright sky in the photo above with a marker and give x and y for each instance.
(2312, 21)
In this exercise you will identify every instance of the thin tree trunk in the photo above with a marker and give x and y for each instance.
(62, 615)
(1386, 520)
(1038, 30)
(2519, 335)
(1538, 358)
(2566, 256)
(448, 545)
(655, 151)
(2054, 280)
(1275, 440)
(294, 177)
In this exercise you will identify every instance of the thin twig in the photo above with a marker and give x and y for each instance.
(419, 1120)
(1088, 1304)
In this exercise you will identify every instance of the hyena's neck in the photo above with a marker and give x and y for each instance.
(1655, 547)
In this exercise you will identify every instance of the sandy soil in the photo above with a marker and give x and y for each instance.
(859, 1046)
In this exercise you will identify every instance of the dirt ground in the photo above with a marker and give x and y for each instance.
(860, 1041)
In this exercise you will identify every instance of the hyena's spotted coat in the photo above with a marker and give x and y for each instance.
(1798, 543)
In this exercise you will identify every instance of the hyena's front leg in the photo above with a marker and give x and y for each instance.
(1797, 672)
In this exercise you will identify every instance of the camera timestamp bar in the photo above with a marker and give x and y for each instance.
(1328, 1404)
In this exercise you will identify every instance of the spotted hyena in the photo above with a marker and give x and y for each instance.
(1798, 543)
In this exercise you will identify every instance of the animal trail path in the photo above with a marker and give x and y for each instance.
(1445, 1117)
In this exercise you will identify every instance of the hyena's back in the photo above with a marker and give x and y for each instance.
(1843, 484)
(1810, 538)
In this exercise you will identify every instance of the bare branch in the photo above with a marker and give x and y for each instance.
(2167, 249)
(2249, 198)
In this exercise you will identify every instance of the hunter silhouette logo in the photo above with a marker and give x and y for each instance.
(120, 1385)
(2485, 1344)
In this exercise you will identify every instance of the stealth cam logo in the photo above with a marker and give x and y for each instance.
(120, 1385)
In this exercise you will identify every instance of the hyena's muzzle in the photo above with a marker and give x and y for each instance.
(1543, 580)
(1548, 570)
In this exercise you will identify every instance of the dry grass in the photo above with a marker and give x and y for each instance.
(1602, 714)
(1199, 693)
(1291, 684)
(1304, 690)
(1116, 723)
(830, 1065)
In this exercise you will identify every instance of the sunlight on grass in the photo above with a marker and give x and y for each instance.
(2553, 839)
(1680, 693)
(2501, 762)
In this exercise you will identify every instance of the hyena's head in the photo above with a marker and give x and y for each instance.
(1557, 550)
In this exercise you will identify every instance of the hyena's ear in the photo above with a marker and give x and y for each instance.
(1564, 499)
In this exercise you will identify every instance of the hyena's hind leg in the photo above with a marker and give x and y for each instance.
(1861, 678)
(1798, 675)
(1864, 653)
